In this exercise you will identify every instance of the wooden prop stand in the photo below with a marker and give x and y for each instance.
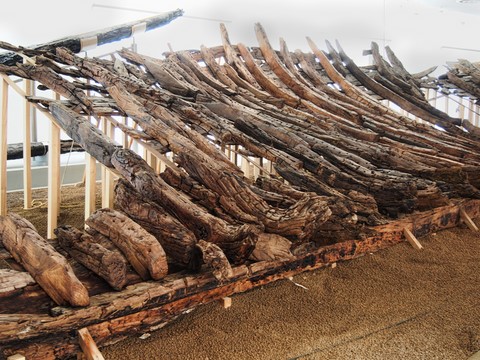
(3, 147)
(89, 348)
(27, 140)
(107, 175)
(53, 179)
(412, 239)
(90, 179)
(467, 220)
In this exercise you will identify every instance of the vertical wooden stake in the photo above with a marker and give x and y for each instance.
(53, 179)
(226, 302)
(412, 239)
(3, 147)
(88, 345)
(107, 176)
(27, 158)
(90, 184)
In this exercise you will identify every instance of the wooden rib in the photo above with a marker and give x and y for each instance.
(53, 180)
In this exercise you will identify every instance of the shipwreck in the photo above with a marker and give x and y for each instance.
(261, 164)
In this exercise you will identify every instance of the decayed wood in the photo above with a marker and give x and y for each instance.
(104, 36)
(137, 307)
(177, 241)
(142, 250)
(11, 280)
(236, 241)
(15, 151)
(270, 247)
(84, 133)
(214, 258)
(49, 269)
(109, 265)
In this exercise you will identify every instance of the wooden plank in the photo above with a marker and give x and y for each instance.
(27, 140)
(88, 345)
(412, 239)
(467, 220)
(53, 180)
(3, 147)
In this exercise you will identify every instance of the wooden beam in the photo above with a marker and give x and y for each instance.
(412, 239)
(467, 220)
(3, 147)
(27, 140)
(53, 179)
(88, 345)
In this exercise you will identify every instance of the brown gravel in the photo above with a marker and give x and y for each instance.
(399, 303)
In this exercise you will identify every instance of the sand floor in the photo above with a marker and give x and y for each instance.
(399, 303)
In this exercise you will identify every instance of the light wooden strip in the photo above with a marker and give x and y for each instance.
(467, 220)
(88, 346)
(16, 357)
(27, 140)
(412, 239)
(13, 85)
(3, 147)
(53, 179)
(90, 182)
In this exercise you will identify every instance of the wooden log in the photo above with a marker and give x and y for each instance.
(177, 241)
(236, 241)
(142, 250)
(78, 43)
(109, 265)
(49, 269)
(215, 259)
(15, 151)
(84, 133)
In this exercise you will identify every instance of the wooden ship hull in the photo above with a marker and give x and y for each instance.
(276, 163)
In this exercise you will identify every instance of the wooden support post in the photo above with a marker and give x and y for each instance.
(226, 302)
(467, 220)
(124, 135)
(27, 158)
(412, 239)
(471, 107)
(107, 176)
(88, 346)
(461, 109)
(477, 115)
(90, 184)
(53, 179)
(3, 147)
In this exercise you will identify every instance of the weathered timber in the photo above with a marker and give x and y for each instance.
(236, 241)
(142, 250)
(11, 280)
(215, 259)
(177, 241)
(84, 133)
(15, 151)
(271, 247)
(144, 306)
(104, 36)
(49, 268)
(109, 265)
